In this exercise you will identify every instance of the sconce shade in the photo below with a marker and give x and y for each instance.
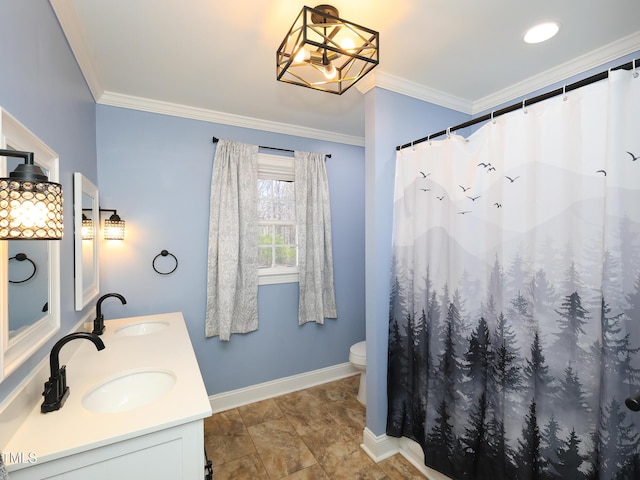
(87, 228)
(30, 205)
(114, 228)
(324, 52)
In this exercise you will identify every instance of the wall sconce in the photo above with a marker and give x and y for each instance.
(87, 228)
(30, 205)
(324, 52)
(113, 226)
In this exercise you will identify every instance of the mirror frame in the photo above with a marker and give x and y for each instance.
(15, 351)
(84, 294)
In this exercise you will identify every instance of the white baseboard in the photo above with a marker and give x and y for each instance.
(383, 446)
(379, 447)
(262, 391)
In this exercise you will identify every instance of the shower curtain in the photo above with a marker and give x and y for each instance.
(514, 333)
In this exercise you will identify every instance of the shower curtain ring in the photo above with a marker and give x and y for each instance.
(493, 120)
(429, 139)
(448, 132)
(564, 93)
(524, 107)
(635, 73)
(413, 145)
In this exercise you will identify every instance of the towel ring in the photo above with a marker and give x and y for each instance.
(164, 253)
(21, 257)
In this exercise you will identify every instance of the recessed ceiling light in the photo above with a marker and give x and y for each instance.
(541, 32)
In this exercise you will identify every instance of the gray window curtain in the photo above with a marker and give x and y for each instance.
(232, 280)
(315, 257)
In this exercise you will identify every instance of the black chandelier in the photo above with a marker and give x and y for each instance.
(324, 52)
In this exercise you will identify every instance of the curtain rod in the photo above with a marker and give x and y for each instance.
(328, 155)
(545, 96)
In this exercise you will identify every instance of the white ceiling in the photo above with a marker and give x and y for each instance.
(215, 59)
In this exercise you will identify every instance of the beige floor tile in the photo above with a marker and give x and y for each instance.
(306, 413)
(331, 392)
(225, 423)
(226, 438)
(350, 415)
(224, 448)
(282, 451)
(248, 467)
(329, 443)
(313, 472)
(260, 412)
(399, 468)
(356, 465)
(341, 457)
(350, 384)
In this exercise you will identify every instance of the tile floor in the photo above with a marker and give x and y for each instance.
(313, 434)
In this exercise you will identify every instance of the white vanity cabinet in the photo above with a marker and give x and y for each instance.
(173, 454)
(161, 438)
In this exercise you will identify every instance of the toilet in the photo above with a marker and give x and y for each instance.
(358, 358)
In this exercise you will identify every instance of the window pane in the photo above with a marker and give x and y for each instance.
(285, 256)
(265, 199)
(265, 255)
(283, 201)
(265, 234)
(285, 235)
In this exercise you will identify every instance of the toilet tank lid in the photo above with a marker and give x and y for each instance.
(359, 348)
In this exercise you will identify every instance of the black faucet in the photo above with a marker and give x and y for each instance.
(56, 390)
(98, 323)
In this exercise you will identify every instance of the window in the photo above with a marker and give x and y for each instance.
(277, 238)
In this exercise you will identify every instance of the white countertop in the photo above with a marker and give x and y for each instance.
(74, 429)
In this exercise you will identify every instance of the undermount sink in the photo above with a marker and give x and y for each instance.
(128, 391)
(144, 328)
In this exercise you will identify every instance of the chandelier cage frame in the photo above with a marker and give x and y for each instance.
(321, 31)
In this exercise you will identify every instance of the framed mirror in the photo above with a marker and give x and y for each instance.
(29, 269)
(86, 226)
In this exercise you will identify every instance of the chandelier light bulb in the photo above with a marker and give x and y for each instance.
(302, 55)
(348, 44)
(330, 72)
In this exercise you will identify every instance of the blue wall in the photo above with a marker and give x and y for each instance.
(156, 171)
(42, 87)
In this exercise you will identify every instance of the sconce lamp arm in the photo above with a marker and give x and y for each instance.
(28, 171)
(115, 217)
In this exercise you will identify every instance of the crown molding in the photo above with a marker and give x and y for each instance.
(72, 29)
(387, 81)
(196, 113)
(576, 66)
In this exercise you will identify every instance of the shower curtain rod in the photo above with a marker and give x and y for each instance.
(545, 96)
(328, 155)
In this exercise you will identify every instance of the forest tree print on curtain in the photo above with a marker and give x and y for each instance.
(514, 334)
